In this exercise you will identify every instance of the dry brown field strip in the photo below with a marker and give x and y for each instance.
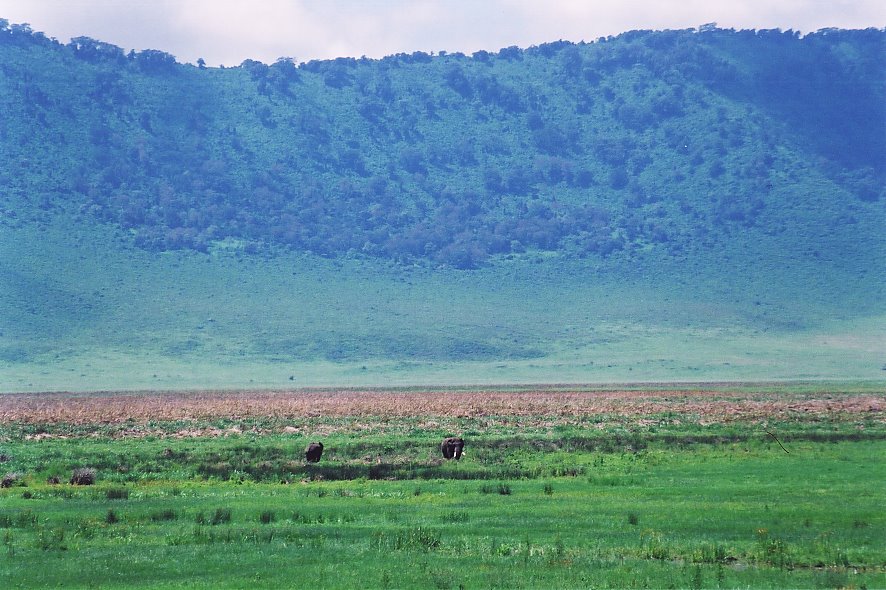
(710, 404)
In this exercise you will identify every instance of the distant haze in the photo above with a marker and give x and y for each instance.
(229, 31)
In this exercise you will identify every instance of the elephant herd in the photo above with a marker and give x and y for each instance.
(451, 448)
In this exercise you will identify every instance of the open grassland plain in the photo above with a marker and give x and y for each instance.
(81, 314)
(654, 485)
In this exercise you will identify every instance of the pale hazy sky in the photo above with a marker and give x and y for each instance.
(229, 31)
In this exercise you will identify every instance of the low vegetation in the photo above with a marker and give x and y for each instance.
(671, 489)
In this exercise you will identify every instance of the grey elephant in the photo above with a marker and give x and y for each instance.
(452, 447)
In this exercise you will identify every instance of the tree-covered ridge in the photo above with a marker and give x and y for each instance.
(665, 141)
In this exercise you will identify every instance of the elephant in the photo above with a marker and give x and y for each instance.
(452, 447)
(313, 452)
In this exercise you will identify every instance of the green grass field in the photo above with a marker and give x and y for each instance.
(81, 313)
(629, 500)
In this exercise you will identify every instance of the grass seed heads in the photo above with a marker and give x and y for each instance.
(717, 405)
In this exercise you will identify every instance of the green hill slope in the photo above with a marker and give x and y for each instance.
(659, 205)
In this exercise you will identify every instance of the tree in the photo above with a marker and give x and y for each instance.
(89, 49)
(282, 73)
(456, 79)
(155, 61)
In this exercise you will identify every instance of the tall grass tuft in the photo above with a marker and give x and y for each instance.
(117, 494)
(25, 519)
(51, 539)
(221, 516)
(9, 543)
(456, 517)
(164, 515)
(412, 539)
(712, 553)
(501, 488)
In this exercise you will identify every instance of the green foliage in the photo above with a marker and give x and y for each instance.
(117, 494)
(636, 142)
(164, 515)
(220, 516)
(502, 489)
(679, 205)
(721, 513)
(418, 538)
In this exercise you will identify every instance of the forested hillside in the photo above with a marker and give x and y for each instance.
(674, 205)
(668, 142)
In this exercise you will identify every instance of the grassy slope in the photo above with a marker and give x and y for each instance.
(80, 312)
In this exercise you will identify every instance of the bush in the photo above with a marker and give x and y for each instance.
(111, 517)
(10, 479)
(83, 477)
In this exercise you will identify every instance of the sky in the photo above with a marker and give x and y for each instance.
(225, 32)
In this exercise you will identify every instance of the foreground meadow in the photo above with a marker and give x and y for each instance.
(720, 486)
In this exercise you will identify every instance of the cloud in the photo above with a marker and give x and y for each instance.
(229, 31)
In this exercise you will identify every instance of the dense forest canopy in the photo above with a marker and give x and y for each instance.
(664, 141)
